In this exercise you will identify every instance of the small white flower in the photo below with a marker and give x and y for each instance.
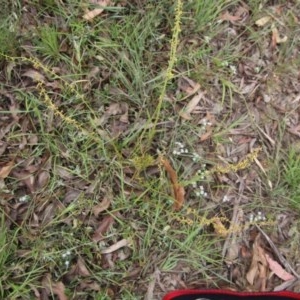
(179, 144)
(224, 63)
(257, 69)
(233, 69)
(207, 39)
(251, 218)
(24, 198)
(225, 198)
(77, 170)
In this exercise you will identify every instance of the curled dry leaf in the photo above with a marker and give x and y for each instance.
(258, 268)
(42, 179)
(188, 86)
(57, 288)
(89, 285)
(226, 16)
(185, 113)
(117, 246)
(3, 147)
(114, 109)
(263, 21)
(6, 169)
(276, 39)
(178, 190)
(63, 173)
(278, 269)
(81, 269)
(26, 178)
(48, 214)
(34, 75)
(105, 203)
(90, 15)
(71, 195)
(103, 227)
(124, 116)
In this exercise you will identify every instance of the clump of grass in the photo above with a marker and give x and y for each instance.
(8, 36)
(291, 177)
(48, 43)
(15, 277)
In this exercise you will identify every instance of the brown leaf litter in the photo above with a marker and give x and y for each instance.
(56, 288)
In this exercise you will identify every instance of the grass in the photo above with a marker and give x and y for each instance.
(291, 177)
(75, 159)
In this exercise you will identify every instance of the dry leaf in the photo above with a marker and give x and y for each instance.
(178, 190)
(242, 11)
(103, 227)
(63, 172)
(258, 266)
(89, 285)
(71, 196)
(185, 113)
(263, 21)
(124, 117)
(6, 169)
(34, 75)
(27, 178)
(188, 86)
(81, 268)
(43, 179)
(114, 109)
(59, 290)
(3, 146)
(206, 135)
(276, 39)
(117, 246)
(278, 269)
(105, 203)
(226, 16)
(97, 11)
